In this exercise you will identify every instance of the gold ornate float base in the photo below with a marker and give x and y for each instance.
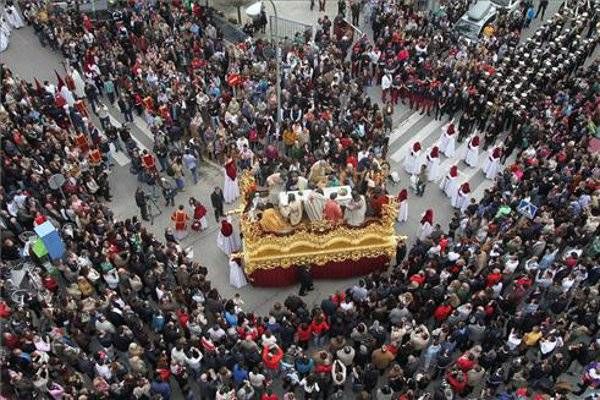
(317, 244)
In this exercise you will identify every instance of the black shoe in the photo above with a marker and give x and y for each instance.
(302, 294)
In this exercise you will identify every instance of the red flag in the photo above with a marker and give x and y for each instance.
(61, 83)
(38, 87)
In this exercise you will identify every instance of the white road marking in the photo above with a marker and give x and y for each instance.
(116, 123)
(121, 158)
(404, 127)
(424, 133)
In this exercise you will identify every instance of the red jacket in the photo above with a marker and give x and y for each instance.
(457, 386)
(492, 279)
(271, 360)
(4, 310)
(319, 328)
(323, 368)
(418, 279)
(304, 335)
(442, 312)
(464, 363)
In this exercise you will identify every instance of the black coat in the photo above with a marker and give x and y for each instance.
(217, 199)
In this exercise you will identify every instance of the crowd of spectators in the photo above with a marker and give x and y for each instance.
(499, 305)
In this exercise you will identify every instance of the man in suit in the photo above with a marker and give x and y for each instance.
(217, 200)
(306, 280)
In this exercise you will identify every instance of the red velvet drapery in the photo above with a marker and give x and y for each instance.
(278, 277)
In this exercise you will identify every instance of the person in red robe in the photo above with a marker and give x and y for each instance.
(165, 114)
(333, 212)
(180, 218)
(148, 161)
(95, 157)
(199, 211)
(82, 108)
(82, 142)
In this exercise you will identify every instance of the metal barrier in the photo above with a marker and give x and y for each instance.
(281, 28)
(230, 32)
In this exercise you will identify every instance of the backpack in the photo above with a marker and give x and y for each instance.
(170, 171)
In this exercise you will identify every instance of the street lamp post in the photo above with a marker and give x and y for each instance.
(278, 67)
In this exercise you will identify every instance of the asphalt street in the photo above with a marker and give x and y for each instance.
(28, 59)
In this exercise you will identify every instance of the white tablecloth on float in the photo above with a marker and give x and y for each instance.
(342, 200)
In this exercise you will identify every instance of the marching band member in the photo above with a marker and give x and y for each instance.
(492, 164)
(231, 189)
(411, 162)
(449, 183)
(426, 225)
(227, 240)
(461, 199)
(433, 164)
(472, 155)
(448, 140)
(403, 206)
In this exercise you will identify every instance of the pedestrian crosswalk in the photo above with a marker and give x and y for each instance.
(412, 127)
(417, 127)
(120, 157)
(408, 121)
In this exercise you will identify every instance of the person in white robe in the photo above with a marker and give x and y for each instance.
(492, 164)
(433, 164)
(402, 206)
(412, 162)
(448, 140)
(79, 90)
(13, 17)
(317, 175)
(237, 278)
(4, 34)
(356, 210)
(227, 240)
(426, 225)
(67, 95)
(292, 210)
(449, 183)
(276, 184)
(472, 155)
(461, 199)
(231, 189)
(314, 205)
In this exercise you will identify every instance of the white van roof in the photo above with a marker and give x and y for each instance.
(480, 10)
